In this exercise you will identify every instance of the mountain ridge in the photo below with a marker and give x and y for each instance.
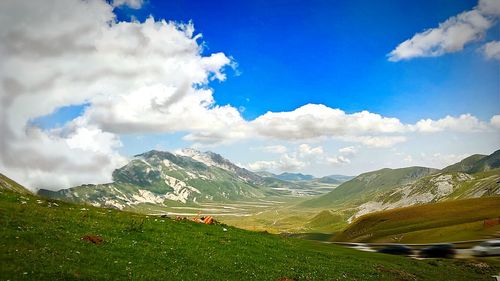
(157, 177)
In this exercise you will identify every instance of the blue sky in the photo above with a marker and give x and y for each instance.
(290, 53)
(320, 87)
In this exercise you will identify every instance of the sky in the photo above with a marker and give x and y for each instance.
(318, 87)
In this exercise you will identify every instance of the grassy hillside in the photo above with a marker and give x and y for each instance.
(367, 184)
(465, 165)
(476, 163)
(9, 184)
(487, 163)
(326, 220)
(445, 221)
(51, 240)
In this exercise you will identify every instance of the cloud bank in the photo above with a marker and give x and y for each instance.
(135, 77)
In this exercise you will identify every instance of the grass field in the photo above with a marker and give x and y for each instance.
(438, 222)
(42, 240)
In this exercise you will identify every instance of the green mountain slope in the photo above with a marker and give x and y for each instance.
(158, 177)
(466, 165)
(487, 163)
(434, 188)
(476, 163)
(365, 185)
(51, 240)
(8, 184)
(294, 177)
(438, 222)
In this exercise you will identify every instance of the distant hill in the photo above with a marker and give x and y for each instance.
(342, 178)
(334, 179)
(365, 185)
(294, 177)
(265, 174)
(9, 184)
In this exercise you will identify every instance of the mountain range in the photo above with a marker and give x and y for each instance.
(475, 176)
(190, 177)
(156, 177)
(298, 177)
(187, 176)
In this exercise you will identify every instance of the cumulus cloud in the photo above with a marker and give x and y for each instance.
(491, 50)
(54, 159)
(284, 163)
(135, 77)
(438, 160)
(464, 123)
(302, 157)
(489, 7)
(376, 141)
(134, 4)
(338, 160)
(279, 149)
(317, 120)
(306, 151)
(451, 35)
(346, 153)
(495, 121)
(348, 150)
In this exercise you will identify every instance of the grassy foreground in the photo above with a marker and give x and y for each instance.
(42, 240)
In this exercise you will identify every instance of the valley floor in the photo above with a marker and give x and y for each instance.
(51, 240)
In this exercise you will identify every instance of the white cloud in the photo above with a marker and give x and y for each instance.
(134, 4)
(349, 150)
(437, 160)
(491, 50)
(376, 141)
(262, 166)
(317, 120)
(464, 123)
(346, 154)
(495, 121)
(285, 163)
(451, 35)
(489, 7)
(338, 160)
(304, 156)
(278, 149)
(56, 158)
(135, 77)
(306, 151)
(447, 159)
